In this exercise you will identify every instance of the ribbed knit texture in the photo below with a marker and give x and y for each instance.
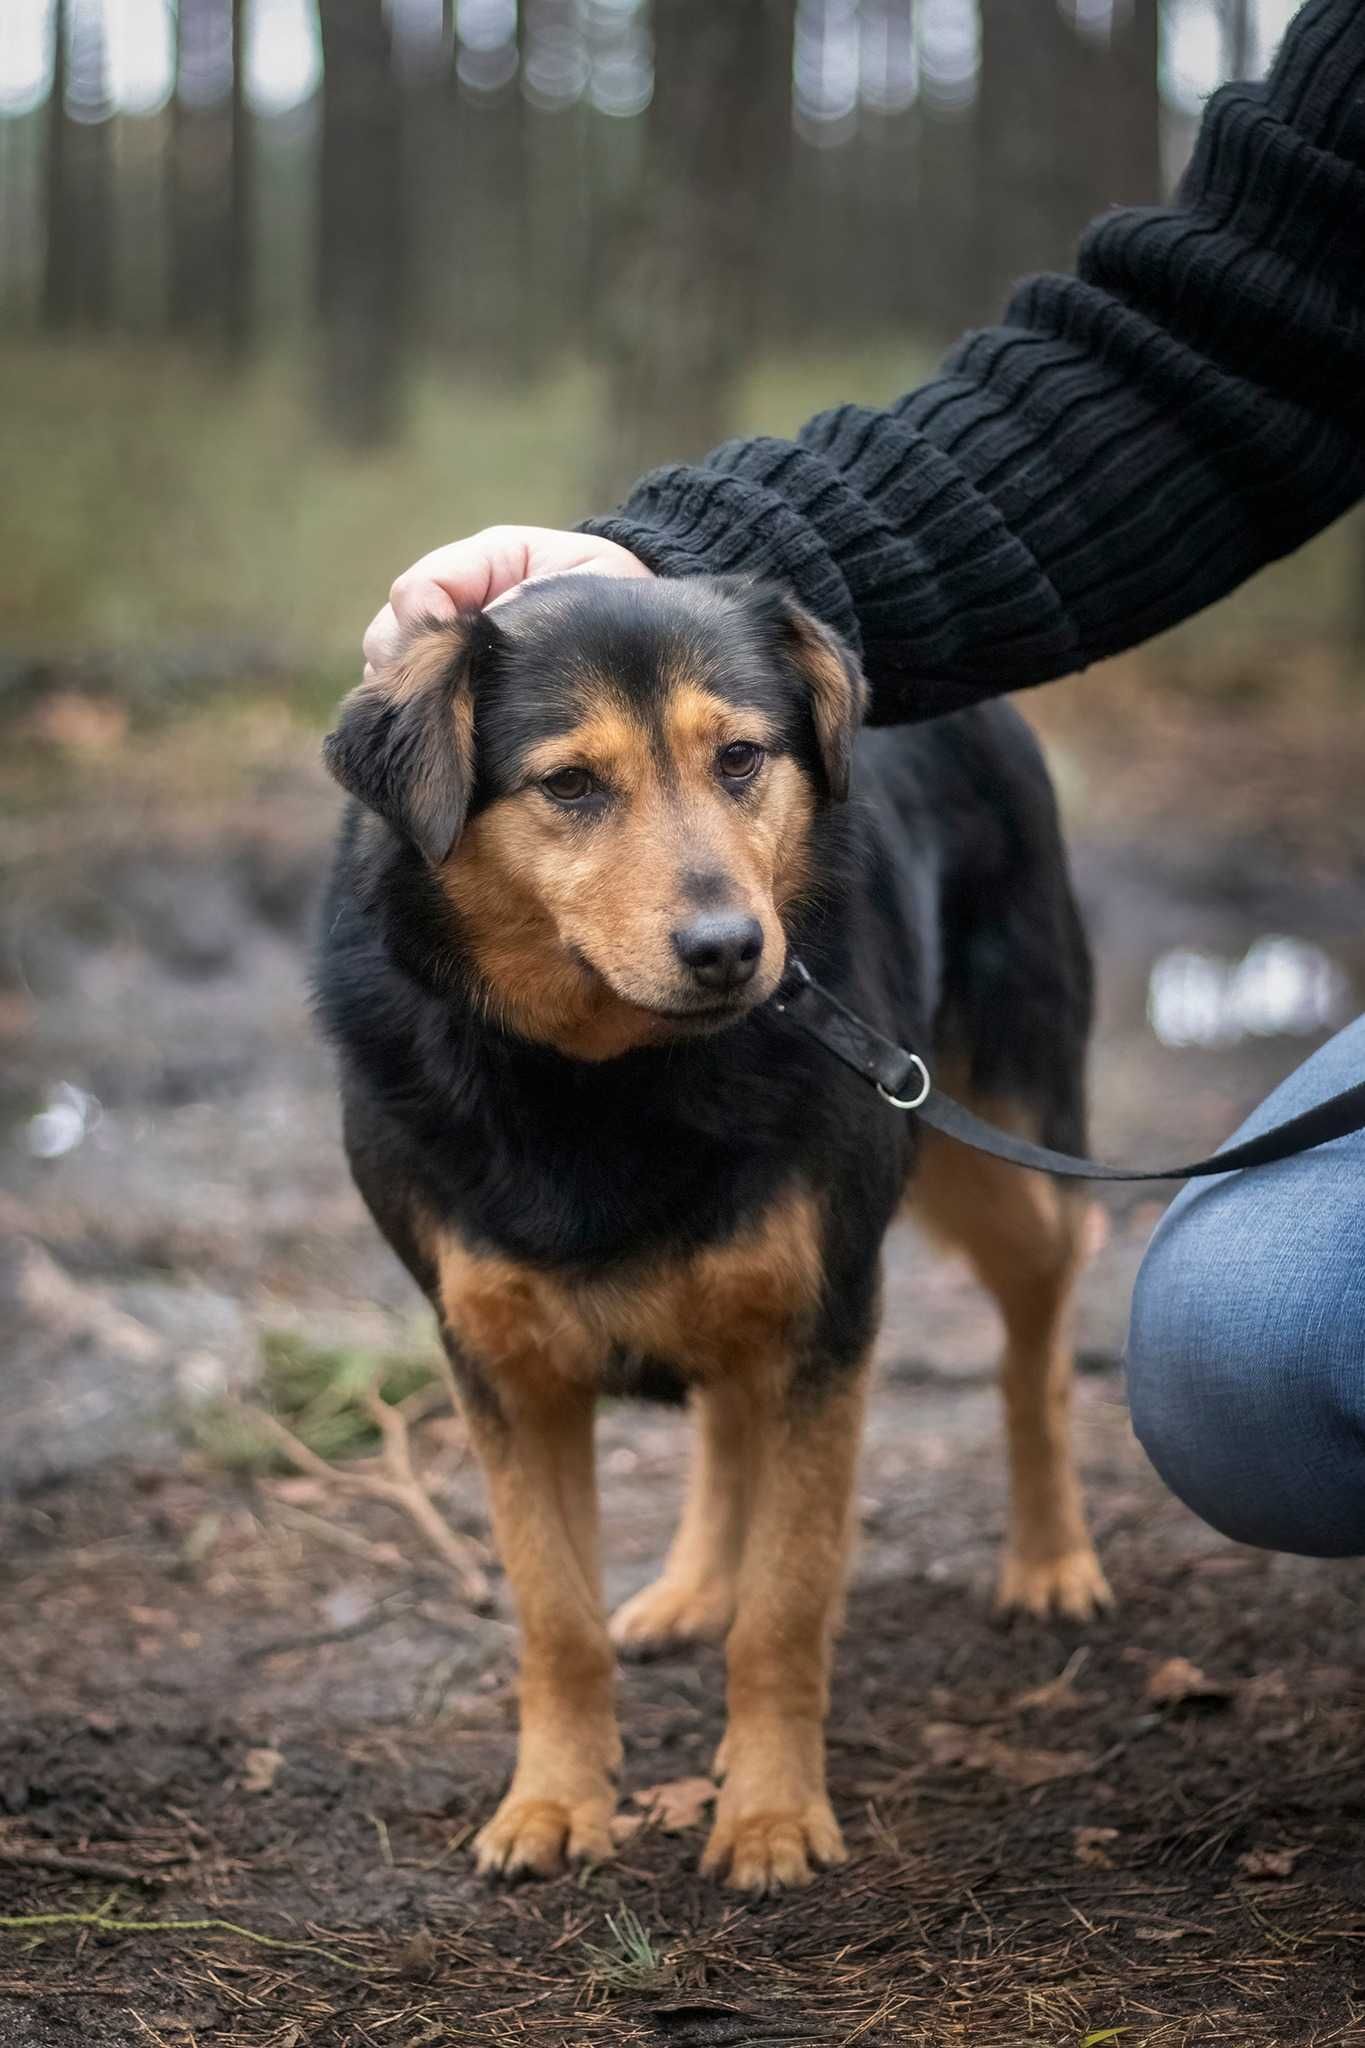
(1131, 444)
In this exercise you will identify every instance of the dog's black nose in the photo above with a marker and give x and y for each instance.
(721, 948)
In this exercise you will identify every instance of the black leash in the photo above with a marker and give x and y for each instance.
(902, 1079)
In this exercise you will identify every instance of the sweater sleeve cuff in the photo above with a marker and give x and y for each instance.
(692, 521)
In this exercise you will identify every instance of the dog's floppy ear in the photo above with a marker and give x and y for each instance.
(404, 742)
(838, 691)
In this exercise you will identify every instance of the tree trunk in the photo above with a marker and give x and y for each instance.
(239, 271)
(78, 268)
(1136, 126)
(489, 325)
(1030, 138)
(684, 237)
(60, 291)
(360, 219)
(1239, 50)
(202, 167)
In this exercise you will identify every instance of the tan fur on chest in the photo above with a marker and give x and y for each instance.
(729, 1308)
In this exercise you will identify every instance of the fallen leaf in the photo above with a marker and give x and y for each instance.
(151, 1617)
(1177, 1681)
(1089, 1847)
(260, 1768)
(678, 1804)
(83, 724)
(418, 1953)
(977, 1749)
(1058, 1696)
(1152, 1930)
(1029, 1767)
(949, 1743)
(1269, 1862)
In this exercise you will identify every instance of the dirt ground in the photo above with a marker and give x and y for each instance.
(247, 1728)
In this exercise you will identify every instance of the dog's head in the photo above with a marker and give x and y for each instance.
(613, 783)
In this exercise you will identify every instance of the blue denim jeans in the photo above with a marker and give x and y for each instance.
(1246, 1353)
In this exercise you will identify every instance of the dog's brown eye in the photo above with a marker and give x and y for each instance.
(568, 785)
(740, 760)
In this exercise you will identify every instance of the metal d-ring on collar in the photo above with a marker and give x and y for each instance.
(890, 1067)
(921, 1095)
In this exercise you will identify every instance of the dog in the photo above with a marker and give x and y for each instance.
(588, 831)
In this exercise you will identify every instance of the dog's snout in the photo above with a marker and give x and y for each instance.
(720, 949)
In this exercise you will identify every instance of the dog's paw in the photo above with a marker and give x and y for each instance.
(773, 1851)
(670, 1613)
(1072, 1586)
(536, 1837)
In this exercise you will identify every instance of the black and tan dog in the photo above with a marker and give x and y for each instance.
(591, 829)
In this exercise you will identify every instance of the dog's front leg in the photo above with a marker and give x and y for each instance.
(694, 1598)
(533, 1433)
(773, 1818)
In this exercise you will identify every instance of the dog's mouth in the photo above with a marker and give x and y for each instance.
(694, 1020)
(684, 1019)
(702, 1016)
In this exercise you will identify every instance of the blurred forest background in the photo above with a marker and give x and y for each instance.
(291, 290)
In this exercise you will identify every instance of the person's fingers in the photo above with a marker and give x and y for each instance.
(468, 575)
(550, 553)
(617, 562)
(461, 576)
(382, 638)
(482, 571)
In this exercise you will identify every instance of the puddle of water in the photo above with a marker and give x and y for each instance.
(1280, 988)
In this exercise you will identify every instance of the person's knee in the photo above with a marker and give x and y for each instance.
(1237, 1391)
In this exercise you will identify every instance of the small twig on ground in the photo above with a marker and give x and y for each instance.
(448, 1381)
(392, 1479)
(425, 1403)
(386, 1610)
(34, 1857)
(409, 1493)
(109, 1923)
(332, 1533)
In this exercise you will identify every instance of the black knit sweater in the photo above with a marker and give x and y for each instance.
(1131, 444)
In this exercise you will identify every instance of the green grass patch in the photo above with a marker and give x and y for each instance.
(319, 1392)
(628, 1960)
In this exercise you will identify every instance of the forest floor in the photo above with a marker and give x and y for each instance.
(247, 1730)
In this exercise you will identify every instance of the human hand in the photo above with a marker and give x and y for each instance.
(472, 574)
